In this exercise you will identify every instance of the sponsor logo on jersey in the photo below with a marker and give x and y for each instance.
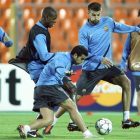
(91, 35)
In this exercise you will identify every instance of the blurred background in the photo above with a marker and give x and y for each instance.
(18, 16)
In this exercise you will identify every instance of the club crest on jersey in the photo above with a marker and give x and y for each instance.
(106, 28)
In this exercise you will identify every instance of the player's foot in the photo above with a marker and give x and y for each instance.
(22, 132)
(47, 130)
(129, 123)
(34, 134)
(91, 136)
(73, 127)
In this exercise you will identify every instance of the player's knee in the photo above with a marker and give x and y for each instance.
(126, 84)
(70, 105)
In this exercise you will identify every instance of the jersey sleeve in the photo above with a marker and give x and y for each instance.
(60, 67)
(41, 47)
(126, 52)
(124, 28)
(2, 35)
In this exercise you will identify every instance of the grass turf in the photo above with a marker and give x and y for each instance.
(10, 120)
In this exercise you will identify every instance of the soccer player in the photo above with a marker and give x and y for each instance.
(131, 53)
(4, 38)
(36, 53)
(95, 35)
(48, 92)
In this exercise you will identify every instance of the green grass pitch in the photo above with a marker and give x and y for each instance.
(10, 120)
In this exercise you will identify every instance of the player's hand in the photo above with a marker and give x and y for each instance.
(125, 69)
(6, 39)
(106, 62)
(69, 73)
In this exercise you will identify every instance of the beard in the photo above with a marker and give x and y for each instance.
(94, 21)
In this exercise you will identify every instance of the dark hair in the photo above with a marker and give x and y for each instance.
(139, 13)
(79, 50)
(94, 6)
(48, 11)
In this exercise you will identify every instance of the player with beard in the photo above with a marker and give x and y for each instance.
(95, 35)
(48, 92)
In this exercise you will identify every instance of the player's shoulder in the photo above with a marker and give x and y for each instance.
(84, 27)
(106, 19)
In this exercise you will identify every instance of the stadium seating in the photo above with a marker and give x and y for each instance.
(72, 14)
(132, 1)
(77, 1)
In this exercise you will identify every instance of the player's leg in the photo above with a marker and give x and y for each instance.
(47, 119)
(70, 88)
(58, 96)
(138, 100)
(71, 107)
(117, 77)
(85, 84)
(34, 133)
(137, 86)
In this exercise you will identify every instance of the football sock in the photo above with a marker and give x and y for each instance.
(55, 120)
(71, 121)
(125, 115)
(27, 128)
(87, 132)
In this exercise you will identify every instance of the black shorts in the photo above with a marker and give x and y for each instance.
(48, 96)
(89, 79)
(137, 82)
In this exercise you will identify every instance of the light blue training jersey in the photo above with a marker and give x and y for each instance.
(2, 35)
(35, 67)
(97, 39)
(55, 69)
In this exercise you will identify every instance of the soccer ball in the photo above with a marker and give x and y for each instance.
(103, 126)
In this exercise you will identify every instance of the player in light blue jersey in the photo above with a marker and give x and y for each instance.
(131, 53)
(95, 35)
(49, 92)
(4, 38)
